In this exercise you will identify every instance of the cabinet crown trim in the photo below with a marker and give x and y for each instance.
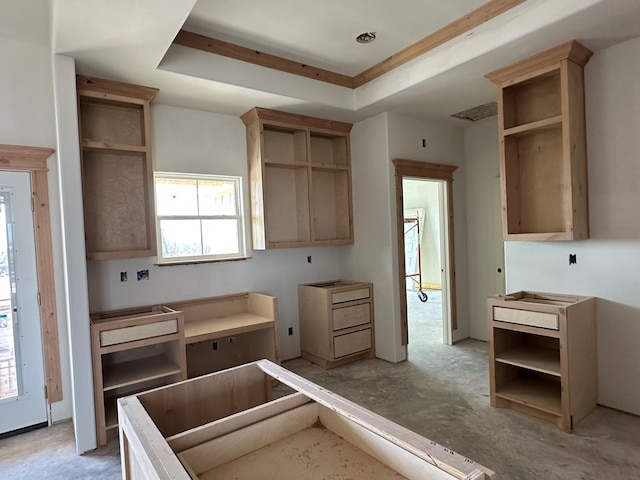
(259, 113)
(571, 50)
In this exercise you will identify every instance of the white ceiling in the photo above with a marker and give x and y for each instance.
(131, 41)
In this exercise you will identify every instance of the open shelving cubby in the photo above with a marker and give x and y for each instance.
(300, 180)
(542, 355)
(543, 159)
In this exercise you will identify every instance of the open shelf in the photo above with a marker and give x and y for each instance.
(300, 179)
(286, 204)
(539, 359)
(541, 394)
(112, 122)
(542, 137)
(329, 149)
(132, 372)
(285, 144)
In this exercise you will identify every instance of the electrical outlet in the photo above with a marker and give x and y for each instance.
(143, 275)
(214, 345)
(123, 276)
(573, 258)
(290, 331)
(309, 259)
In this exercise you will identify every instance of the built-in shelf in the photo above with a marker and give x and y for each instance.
(539, 359)
(543, 394)
(199, 330)
(136, 371)
(300, 179)
(542, 141)
(544, 357)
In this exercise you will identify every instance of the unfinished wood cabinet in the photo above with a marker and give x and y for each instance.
(117, 170)
(222, 332)
(336, 322)
(241, 430)
(300, 180)
(133, 350)
(543, 156)
(543, 355)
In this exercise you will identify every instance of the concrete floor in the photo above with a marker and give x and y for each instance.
(442, 393)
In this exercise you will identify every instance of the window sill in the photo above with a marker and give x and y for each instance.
(196, 262)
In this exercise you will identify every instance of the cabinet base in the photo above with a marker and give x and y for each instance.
(329, 364)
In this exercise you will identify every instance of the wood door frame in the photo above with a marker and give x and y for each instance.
(34, 160)
(426, 171)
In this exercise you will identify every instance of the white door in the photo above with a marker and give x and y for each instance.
(22, 386)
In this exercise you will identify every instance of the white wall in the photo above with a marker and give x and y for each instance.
(608, 265)
(444, 144)
(194, 141)
(425, 194)
(483, 170)
(372, 258)
(28, 118)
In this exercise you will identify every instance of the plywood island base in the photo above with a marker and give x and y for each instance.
(228, 425)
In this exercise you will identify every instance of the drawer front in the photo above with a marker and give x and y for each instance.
(341, 297)
(352, 343)
(351, 316)
(138, 332)
(525, 317)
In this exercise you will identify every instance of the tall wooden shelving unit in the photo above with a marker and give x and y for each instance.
(300, 180)
(117, 169)
(543, 158)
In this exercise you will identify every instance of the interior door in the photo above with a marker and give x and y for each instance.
(22, 386)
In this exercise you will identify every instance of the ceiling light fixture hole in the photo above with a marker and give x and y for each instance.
(366, 37)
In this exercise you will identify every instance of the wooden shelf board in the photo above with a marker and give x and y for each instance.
(197, 331)
(539, 393)
(544, 332)
(273, 162)
(534, 127)
(329, 167)
(118, 147)
(539, 359)
(136, 371)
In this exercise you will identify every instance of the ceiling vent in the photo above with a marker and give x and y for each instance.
(478, 113)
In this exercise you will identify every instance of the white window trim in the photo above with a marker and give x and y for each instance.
(240, 217)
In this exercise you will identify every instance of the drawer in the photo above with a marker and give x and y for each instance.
(138, 332)
(346, 317)
(526, 317)
(355, 342)
(358, 294)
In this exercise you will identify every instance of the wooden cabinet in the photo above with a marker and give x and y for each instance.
(300, 180)
(542, 355)
(336, 322)
(133, 350)
(229, 425)
(223, 332)
(543, 157)
(117, 171)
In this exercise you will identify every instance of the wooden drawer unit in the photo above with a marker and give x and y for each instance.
(133, 350)
(336, 322)
(542, 355)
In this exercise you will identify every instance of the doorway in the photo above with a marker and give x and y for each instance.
(443, 175)
(22, 386)
(424, 250)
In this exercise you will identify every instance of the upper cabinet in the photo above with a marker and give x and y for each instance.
(300, 180)
(117, 170)
(543, 157)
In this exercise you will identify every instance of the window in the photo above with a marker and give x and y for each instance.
(199, 217)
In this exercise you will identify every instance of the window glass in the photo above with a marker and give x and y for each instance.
(199, 217)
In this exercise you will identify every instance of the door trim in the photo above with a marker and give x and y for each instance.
(427, 171)
(34, 161)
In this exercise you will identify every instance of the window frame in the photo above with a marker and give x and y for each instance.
(239, 217)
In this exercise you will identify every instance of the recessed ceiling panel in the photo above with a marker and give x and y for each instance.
(323, 33)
